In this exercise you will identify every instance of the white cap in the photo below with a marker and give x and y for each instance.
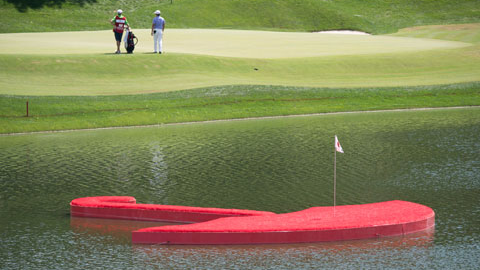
(119, 11)
(157, 12)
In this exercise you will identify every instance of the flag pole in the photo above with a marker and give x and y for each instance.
(338, 148)
(334, 179)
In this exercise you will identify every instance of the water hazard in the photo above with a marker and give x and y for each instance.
(279, 165)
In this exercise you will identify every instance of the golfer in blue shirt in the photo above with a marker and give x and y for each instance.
(158, 26)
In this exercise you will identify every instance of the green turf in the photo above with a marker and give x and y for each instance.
(71, 84)
(406, 62)
(89, 75)
(228, 102)
(374, 16)
(227, 43)
(457, 32)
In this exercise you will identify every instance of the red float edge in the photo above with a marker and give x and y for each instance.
(281, 237)
(125, 207)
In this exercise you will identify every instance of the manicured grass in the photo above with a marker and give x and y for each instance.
(457, 32)
(107, 75)
(228, 102)
(227, 43)
(81, 85)
(373, 16)
(406, 62)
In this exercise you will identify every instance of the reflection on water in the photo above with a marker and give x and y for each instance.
(159, 177)
(290, 256)
(279, 165)
(119, 229)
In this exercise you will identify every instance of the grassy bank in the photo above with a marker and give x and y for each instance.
(91, 75)
(373, 16)
(69, 89)
(228, 102)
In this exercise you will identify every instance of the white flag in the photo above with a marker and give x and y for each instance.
(338, 147)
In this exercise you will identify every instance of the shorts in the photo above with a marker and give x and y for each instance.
(118, 36)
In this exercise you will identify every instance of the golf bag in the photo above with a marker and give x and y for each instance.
(130, 41)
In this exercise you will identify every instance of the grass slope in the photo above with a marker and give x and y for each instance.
(374, 16)
(228, 102)
(89, 75)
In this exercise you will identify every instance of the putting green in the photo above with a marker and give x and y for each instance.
(226, 43)
(83, 63)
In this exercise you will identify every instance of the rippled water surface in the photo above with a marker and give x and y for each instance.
(279, 165)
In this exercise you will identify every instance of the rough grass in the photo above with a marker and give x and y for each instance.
(227, 102)
(373, 16)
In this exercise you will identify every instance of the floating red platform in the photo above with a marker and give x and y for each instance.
(233, 226)
(126, 207)
(315, 224)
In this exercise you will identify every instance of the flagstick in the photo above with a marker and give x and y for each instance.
(334, 180)
(338, 148)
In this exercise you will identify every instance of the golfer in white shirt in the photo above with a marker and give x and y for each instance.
(158, 26)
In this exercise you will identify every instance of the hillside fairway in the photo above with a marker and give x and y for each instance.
(372, 16)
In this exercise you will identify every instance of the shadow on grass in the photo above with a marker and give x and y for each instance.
(24, 5)
(133, 53)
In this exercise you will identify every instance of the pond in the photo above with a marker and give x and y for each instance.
(430, 157)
